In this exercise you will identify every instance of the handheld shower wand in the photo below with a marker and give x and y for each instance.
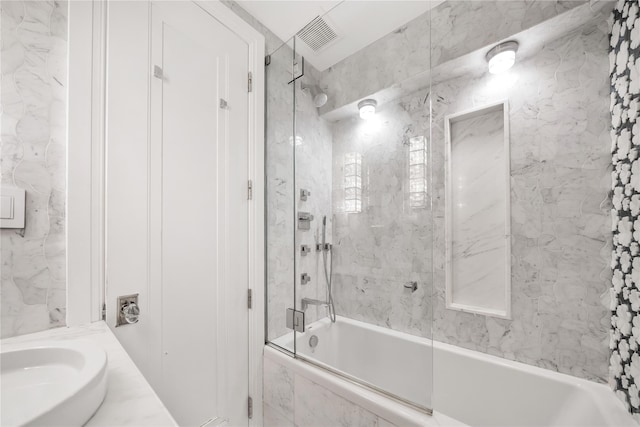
(327, 249)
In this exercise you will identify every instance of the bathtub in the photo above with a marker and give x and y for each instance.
(469, 387)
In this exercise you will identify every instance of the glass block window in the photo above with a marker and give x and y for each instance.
(353, 182)
(418, 172)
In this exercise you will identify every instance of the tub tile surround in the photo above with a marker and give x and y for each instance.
(316, 405)
(624, 55)
(312, 155)
(291, 398)
(459, 27)
(279, 189)
(34, 76)
(388, 244)
(130, 400)
(559, 191)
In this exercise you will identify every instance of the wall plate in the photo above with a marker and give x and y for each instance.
(121, 302)
(12, 207)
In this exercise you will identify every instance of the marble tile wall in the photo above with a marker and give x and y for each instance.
(304, 138)
(313, 173)
(388, 244)
(478, 190)
(624, 55)
(279, 191)
(560, 241)
(459, 27)
(34, 77)
(290, 399)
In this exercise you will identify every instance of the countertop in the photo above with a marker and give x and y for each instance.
(130, 400)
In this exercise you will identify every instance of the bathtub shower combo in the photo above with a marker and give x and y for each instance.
(436, 232)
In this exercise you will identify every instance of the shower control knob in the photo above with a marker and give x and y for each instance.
(304, 279)
(130, 312)
(411, 285)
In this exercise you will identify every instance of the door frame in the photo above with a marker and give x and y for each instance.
(86, 173)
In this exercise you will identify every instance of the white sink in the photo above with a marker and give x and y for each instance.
(51, 384)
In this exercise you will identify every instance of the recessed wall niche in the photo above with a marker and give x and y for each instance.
(478, 241)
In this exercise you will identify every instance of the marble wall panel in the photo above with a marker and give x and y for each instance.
(559, 170)
(559, 173)
(34, 79)
(450, 30)
(313, 154)
(298, 156)
(279, 163)
(478, 189)
(293, 399)
(388, 244)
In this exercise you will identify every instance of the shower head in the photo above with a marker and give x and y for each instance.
(319, 97)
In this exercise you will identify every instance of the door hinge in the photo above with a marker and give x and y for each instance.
(267, 60)
(250, 407)
(104, 311)
(250, 190)
(250, 299)
(250, 82)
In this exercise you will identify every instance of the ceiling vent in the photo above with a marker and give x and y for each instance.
(317, 34)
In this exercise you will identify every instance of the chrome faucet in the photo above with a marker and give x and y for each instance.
(306, 302)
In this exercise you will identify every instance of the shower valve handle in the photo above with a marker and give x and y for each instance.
(131, 312)
(411, 285)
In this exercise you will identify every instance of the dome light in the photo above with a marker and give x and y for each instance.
(367, 108)
(502, 57)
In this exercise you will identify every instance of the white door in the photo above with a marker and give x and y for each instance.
(198, 215)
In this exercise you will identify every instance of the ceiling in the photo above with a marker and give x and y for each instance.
(357, 23)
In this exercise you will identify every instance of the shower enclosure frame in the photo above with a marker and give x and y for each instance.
(291, 350)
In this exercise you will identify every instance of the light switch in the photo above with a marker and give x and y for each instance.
(6, 207)
(12, 207)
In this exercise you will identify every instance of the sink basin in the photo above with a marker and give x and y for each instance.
(51, 384)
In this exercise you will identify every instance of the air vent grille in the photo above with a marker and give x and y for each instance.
(317, 34)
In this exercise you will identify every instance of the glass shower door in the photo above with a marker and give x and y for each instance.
(349, 220)
(280, 206)
(364, 257)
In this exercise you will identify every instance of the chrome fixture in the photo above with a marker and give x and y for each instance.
(313, 341)
(304, 278)
(306, 302)
(502, 57)
(304, 220)
(295, 320)
(411, 285)
(304, 250)
(319, 97)
(328, 269)
(128, 310)
(323, 247)
(304, 194)
(367, 108)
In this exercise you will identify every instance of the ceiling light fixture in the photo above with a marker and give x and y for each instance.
(502, 57)
(367, 108)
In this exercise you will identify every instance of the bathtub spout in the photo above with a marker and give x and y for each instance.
(306, 302)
